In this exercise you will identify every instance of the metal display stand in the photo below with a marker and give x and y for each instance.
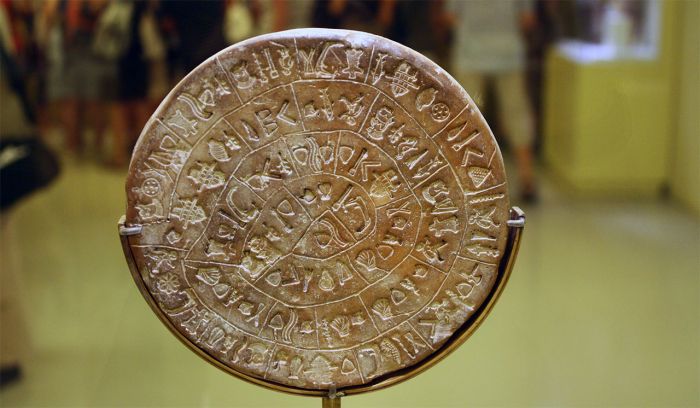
(331, 398)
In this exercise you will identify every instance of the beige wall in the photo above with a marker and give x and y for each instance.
(609, 125)
(685, 156)
(630, 127)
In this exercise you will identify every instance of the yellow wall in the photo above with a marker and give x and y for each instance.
(685, 158)
(610, 126)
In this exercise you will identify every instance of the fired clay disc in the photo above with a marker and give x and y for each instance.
(320, 208)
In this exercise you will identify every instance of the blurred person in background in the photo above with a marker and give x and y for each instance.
(545, 32)
(196, 29)
(424, 26)
(269, 15)
(489, 51)
(376, 17)
(78, 78)
(248, 18)
(299, 13)
(25, 166)
(26, 53)
(118, 41)
(155, 49)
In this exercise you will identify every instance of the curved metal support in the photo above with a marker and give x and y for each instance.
(331, 398)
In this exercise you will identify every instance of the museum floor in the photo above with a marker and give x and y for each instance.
(603, 309)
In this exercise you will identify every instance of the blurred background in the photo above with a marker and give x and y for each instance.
(594, 102)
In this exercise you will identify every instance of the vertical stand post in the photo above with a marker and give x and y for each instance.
(330, 402)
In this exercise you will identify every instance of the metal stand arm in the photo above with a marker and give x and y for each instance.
(516, 224)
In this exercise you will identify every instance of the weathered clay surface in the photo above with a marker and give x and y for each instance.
(319, 207)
